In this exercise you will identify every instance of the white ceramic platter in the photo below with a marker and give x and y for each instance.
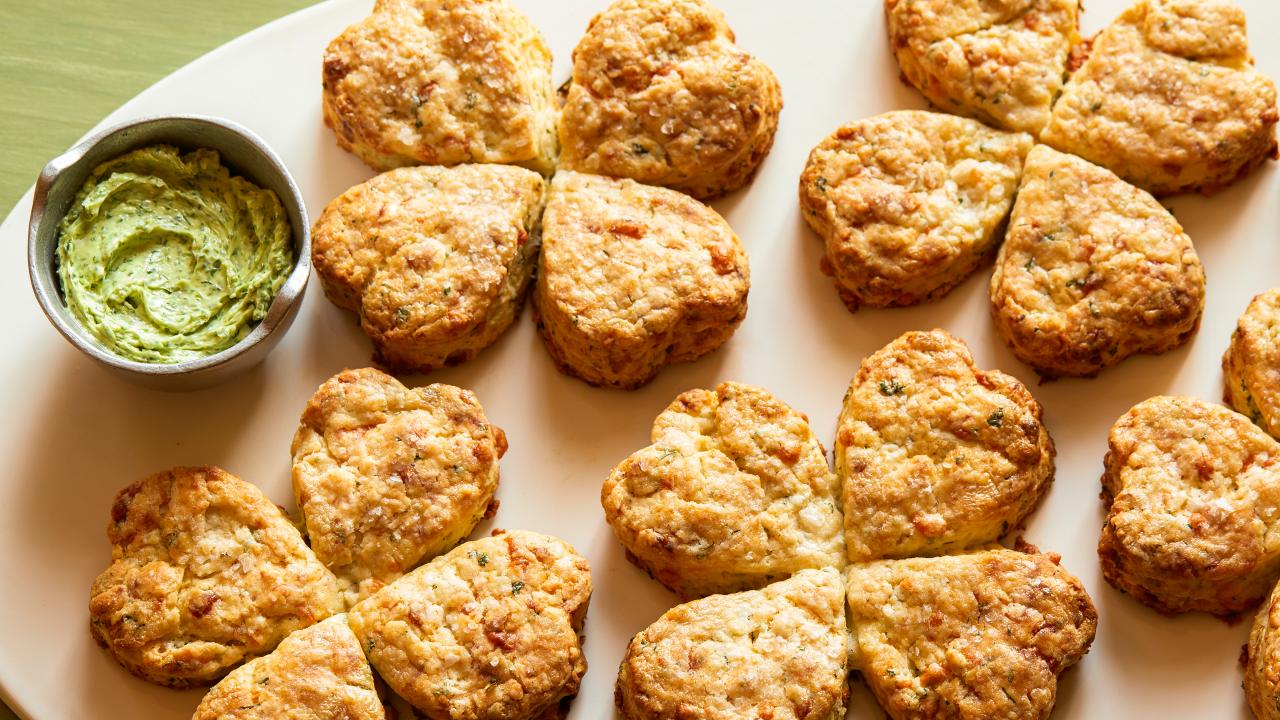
(71, 435)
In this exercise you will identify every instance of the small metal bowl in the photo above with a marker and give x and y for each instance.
(245, 154)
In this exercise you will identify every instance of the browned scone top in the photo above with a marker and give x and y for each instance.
(1251, 365)
(1262, 661)
(205, 573)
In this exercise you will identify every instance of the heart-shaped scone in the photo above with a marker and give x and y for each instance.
(733, 494)
(973, 636)
(318, 673)
(206, 572)
(634, 277)
(778, 653)
(1193, 496)
(661, 94)
(1092, 270)
(934, 454)
(489, 631)
(1251, 365)
(1168, 98)
(386, 476)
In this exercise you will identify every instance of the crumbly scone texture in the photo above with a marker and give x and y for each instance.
(318, 673)
(1251, 365)
(1262, 661)
(1193, 496)
(1169, 99)
(1000, 61)
(387, 476)
(661, 94)
(205, 573)
(634, 277)
(779, 652)
(934, 454)
(972, 636)
(1092, 270)
(442, 82)
(909, 203)
(435, 260)
(489, 631)
(733, 493)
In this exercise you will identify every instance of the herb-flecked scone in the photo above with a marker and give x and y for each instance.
(442, 82)
(661, 94)
(934, 454)
(1262, 660)
(434, 260)
(972, 636)
(734, 493)
(1092, 270)
(386, 476)
(1168, 98)
(318, 673)
(634, 277)
(1251, 365)
(1000, 61)
(1193, 507)
(489, 631)
(205, 573)
(909, 203)
(778, 652)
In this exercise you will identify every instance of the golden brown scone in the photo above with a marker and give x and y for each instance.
(1251, 365)
(661, 94)
(1000, 61)
(909, 203)
(388, 476)
(1168, 99)
(633, 278)
(777, 653)
(318, 673)
(934, 454)
(205, 573)
(489, 631)
(973, 636)
(1092, 270)
(1262, 661)
(442, 82)
(1193, 496)
(434, 260)
(733, 494)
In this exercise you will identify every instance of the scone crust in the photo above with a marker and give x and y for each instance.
(386, 476)
(1193, 496)
(1262, 661)
(436, 82)
(1168, 98)
(733, 494)
(661, 94)
(634, 277)
(778, 652)
(1251, 365)
(434, 260)
(909, 203)
(1092, 270)
(205, 573)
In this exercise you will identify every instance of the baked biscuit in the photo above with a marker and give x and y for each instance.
(434, 260)
(1262, 661)
(1000, 61)
(733, 494)
(634, 277)
(973, 636)
(1092, 270)
(934, 454)
(1193, 497)
(1169, 100)
(661, 94)
(205, 573)
(909, 203)
(1251, 365)
(430, 82)
(778, 653)
(386, 476)
(489, 631)
(314, 674)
